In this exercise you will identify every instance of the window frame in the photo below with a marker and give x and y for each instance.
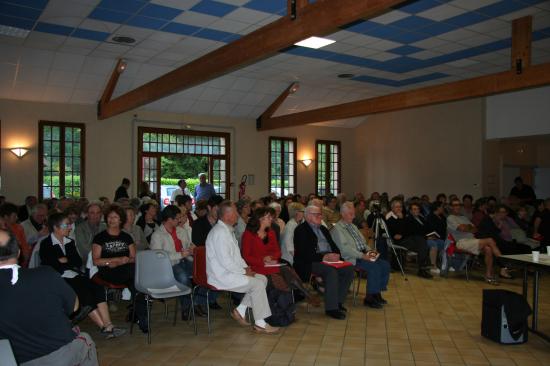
(295, 170)
(184, 132)
(327, 180)
(62, 125)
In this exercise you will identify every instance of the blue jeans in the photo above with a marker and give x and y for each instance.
(183, 272)
(436, 243)
(378, 274)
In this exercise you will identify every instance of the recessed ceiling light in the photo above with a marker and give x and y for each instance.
(346, 76)
(315, 42)
(6, 30)
(123, 39)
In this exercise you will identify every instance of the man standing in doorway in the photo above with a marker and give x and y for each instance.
(181, 191)
(204, 190)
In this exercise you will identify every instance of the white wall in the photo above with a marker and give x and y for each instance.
(522, 113)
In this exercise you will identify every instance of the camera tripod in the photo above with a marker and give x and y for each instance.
(379, 224)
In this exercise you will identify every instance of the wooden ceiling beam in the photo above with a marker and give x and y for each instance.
(522, 30)
(111, 84)
(502, 82)
(292, 88)
(318, 18)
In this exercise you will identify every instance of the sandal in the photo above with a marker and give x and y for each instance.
(113, 333)
(505, 273)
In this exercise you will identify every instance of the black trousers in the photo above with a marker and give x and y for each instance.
(337, 282)
(88, 292)
(418, 245)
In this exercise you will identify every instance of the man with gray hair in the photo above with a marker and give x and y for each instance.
(35, 226)
(315, 250)
(88, 229)
(42, 336)
(203, 190)
(355, 249)
(227, 270)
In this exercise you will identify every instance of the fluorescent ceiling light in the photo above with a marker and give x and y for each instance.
(315, 42)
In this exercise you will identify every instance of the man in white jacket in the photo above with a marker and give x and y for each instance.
(227, 270)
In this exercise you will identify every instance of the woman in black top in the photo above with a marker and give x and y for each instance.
(114, 250)
(147, 219)
(59, 251)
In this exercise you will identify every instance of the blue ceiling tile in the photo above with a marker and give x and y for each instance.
(146, 22)
(53, 28)
(127, 6)
(501, 8)
(159, 11)
(384, 32)
(466, 19)
(360, 26)
(182, 29)
(375, 80)
(35, 4)
(232, 37)
(19, 11)
(214, 8)
(412, 23)
(90, 34)
(416, 6)
(16, 22)
(438, 28)
(408, 37)
(109, 15)
(268, 6)
(212, 34)
(405, 50)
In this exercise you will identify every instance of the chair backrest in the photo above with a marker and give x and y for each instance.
(6, 354)
(199, 266)
(153, 271)
(35, 261)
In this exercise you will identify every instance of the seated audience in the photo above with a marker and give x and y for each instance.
(24, 212)
(135, 231)
(541, 230)
(145, 192)
(114, 251)
(314, 246)
(401, 235)
(147, 221)
(463, 232)
(524, 192)
(296, 214)
(42, 336)
(8, 213)
(419, 226)
(88, 229)
(243, 209)
(227, 270)
(480, 211)
(185, 201)
(353, 248)
(35, 226)
(277, 220)
(260, 249)
(121, 191)
(172, 239)
(467, 206)
(59, 252)
(330, 214)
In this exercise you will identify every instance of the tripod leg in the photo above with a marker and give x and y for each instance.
(382, 223)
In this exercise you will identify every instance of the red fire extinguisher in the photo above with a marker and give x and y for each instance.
(242, 186)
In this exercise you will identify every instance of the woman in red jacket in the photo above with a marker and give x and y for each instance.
(262, 252)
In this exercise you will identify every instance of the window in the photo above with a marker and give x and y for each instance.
(61, 159)
(165, 152)
(328, 168)
(282, 165)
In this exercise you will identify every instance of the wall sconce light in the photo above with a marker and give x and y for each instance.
(306, 162)
(19, 151)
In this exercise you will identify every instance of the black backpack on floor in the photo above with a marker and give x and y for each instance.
(283, 309)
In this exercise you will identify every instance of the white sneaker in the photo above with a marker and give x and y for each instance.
(435, 270)
(452, 269)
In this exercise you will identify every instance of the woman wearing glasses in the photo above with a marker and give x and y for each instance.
(59, 251)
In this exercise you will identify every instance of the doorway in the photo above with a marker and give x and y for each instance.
(167, 155)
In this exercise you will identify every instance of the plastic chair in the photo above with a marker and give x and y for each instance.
(6, 354)
(154, 278)
(35, 261)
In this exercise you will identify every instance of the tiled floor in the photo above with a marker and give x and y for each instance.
(426, 323)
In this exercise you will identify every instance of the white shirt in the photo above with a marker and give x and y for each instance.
(179, 192)
(287, 240)
(225, 267)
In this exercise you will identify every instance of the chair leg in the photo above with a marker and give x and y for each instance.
(229, 300)
(175, 311)
(208, 310)
(148, 304)
(166, 309)
(356, 292)
(192, 312)
(466, 269)
(133, 314)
